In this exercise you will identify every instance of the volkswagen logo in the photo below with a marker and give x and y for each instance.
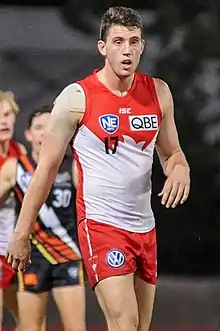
(115, 258)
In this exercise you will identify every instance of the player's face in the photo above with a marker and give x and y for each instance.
(7, 120)
(36, 132)
(123, 49)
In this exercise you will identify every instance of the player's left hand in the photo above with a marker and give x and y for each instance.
(19, 250)
(176, 188)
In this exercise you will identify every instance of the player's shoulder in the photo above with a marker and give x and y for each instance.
(80, 85)
(164, 95)
(163, 91)
(158, 82)
(71, 99)
(71, 89)
(161, 85)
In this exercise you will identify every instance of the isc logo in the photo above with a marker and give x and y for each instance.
(125, 111)
(143, 122)
(109, 123)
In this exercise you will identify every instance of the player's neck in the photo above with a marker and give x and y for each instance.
(114, 83)
(35, 156)
(4, 148)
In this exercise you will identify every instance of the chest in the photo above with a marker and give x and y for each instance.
(113, 119)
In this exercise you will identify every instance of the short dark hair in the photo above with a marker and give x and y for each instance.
(42, 110)
(119, 15)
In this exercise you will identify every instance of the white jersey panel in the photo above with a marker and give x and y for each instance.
(116, 187)
(7, 224)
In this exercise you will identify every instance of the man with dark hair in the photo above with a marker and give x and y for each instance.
(117, 116)
(55, 260)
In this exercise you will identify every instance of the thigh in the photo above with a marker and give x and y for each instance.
(32, 311)
(10, 300)
(145, 294)
(106, 251)
(69, 294)
(117, 299)
(70, 302)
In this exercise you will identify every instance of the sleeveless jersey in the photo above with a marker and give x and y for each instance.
(7, 211)
(54, 233)
(114, 147)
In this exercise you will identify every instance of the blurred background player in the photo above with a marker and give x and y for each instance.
(55, 259)
(8, 148)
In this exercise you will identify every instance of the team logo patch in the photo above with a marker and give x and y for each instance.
(73, 272)
(31, 279)
(63, 178)
(26, 178)
(115, 258)
(109, 123)
(143, 123)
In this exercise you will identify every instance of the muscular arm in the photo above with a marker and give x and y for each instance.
(168, 146)
(174, 163)
(7, 179)
(66, 114)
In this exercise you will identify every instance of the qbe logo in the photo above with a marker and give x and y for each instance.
(109, 123)
(143, 122)
(115, 258)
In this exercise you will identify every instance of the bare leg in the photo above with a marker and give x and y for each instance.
(32, 310)
(145, 294)
(70, 301)
(118, 302)
(10, 301)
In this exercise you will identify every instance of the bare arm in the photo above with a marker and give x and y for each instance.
(66, 114)
(171, 156)
(168, 146)
(7, 179)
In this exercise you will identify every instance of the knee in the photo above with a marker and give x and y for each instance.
(30, 327)
(128, 323)
(124, 322)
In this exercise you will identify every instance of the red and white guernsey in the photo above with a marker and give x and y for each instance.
(114, 148)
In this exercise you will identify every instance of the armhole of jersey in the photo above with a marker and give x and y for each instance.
(152, 86)
(15, 145)
(87, 112)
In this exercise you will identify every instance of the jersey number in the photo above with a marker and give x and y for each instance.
(111, 144)
(62, 198)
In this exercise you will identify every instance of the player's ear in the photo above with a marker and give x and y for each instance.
(102, 47)
(142, 45)
(27, 135)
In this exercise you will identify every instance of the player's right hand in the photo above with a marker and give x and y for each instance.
(19, 250)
